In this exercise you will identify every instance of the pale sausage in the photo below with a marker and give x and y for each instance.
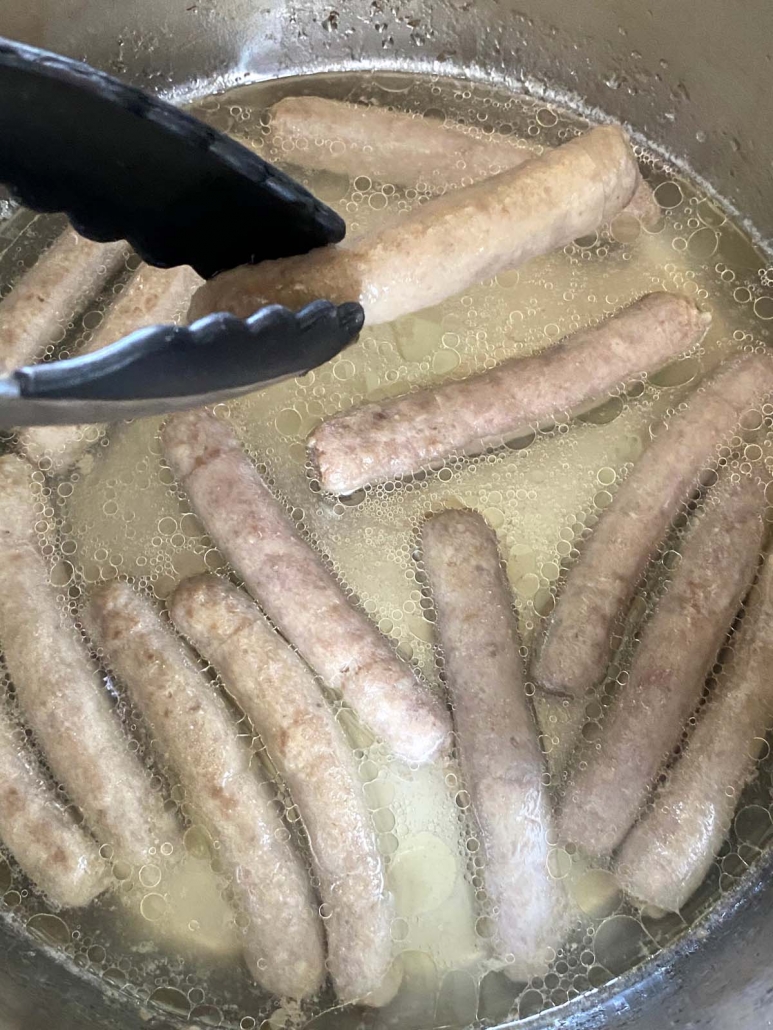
(382, 440)
(496, 735)
(450, 243)
(52, 293)
(196, 734)
(574, 652)
(285, 704)
(153, 296)
(679, 644)
(297, 592)
(61, 694)
(668, 853)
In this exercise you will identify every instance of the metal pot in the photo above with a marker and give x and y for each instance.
(690, 77)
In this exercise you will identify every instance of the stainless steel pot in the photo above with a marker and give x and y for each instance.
(693, 77)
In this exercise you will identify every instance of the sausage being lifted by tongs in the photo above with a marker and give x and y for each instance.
(127, 166)
(453, 241)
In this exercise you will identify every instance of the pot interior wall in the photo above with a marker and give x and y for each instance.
(692, 77)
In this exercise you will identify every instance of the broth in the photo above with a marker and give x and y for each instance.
(163, 935)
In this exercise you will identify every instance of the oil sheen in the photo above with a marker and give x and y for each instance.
(163, 934)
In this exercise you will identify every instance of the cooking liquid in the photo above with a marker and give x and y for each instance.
(164, 933)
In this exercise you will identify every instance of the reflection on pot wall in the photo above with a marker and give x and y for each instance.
(670, 70)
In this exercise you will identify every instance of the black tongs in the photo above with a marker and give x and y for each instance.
(122, 164)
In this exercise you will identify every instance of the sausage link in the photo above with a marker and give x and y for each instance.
(572, 655)
(153, 296)
(61, 694)
(193, 729)
(668, 853)
(401, 148)
(383, 440)
(57, 855)
(279, 693)
(55, 290)
(679, 644)
(469, 234)
(496, 734)
(298, 593)
(389, 146)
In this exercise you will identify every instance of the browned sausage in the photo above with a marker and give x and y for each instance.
(57, 855)
(573, 654)
(279, 694)
(385, 439)
(453, 241)
(405, 149)
(666, 855)
(61, 694)
(679, 644)
(496, 735)
(54, 291)
(152, 296)
(300, 596)
(196, 734)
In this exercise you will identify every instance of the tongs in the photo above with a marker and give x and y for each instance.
(122, 164)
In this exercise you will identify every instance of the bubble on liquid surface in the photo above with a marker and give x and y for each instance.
(49, 928)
